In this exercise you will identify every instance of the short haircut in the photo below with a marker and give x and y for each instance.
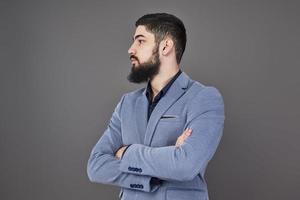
(162, 25)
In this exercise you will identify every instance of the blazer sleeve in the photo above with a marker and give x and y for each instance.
(206, 119)
(103, 167)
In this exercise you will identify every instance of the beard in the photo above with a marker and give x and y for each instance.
(145, 71)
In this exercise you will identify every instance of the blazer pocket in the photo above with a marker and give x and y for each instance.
(185, 194)
(170, 118)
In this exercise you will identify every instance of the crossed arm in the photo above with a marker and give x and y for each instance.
(180, 162)
(180, 140)
(103, 167)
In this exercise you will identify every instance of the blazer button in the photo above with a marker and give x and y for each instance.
(129, 168)
(131, 185)
(140, 170)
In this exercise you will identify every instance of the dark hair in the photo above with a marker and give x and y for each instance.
(162, 25)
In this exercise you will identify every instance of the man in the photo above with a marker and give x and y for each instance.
(160, 138)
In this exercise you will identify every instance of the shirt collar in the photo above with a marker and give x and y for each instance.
(164, 90)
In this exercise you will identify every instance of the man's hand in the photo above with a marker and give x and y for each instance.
(180, 140)
(120, 152)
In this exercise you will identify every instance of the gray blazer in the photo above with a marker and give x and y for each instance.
(152, 151)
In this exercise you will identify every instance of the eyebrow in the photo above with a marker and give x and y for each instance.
(137, 36)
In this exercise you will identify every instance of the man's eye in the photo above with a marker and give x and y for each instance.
(140, 41)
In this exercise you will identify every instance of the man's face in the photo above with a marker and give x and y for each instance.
(144, 56)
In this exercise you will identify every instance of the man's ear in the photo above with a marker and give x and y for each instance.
(167, 46)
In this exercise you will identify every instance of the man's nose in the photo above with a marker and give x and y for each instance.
(131, 50)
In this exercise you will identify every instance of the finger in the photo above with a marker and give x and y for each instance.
(179, 141)
(183, 139)
(184, 132)
(187, 130)
(185, 136)
(187, 133)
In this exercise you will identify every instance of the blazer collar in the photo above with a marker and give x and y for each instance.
(182, 81)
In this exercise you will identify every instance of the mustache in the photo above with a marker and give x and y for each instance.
(133, 57)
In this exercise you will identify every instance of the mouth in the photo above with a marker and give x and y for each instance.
(133, 60)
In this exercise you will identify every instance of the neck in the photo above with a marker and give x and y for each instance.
(162, 78)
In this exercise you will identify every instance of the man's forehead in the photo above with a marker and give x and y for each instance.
(141, 31)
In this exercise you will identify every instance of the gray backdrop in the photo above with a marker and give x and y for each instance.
(63, 70)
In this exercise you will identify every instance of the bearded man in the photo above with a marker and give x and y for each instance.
(161, 137)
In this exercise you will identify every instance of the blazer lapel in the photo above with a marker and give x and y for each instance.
(141, 112)
(177, 89)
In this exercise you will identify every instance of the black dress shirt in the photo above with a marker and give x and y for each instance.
(149, 93)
